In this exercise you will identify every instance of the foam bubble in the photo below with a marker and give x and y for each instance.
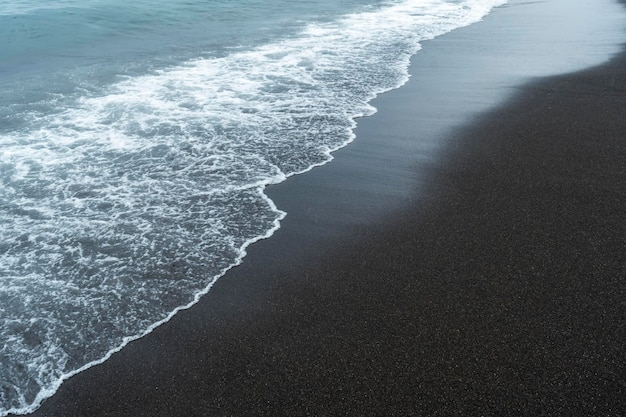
(122, 208)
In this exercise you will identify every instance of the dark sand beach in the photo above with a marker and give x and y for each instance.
(465, 256)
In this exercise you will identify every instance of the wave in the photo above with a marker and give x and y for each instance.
(123, 208)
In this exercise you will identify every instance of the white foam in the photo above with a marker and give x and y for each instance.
(124, 208)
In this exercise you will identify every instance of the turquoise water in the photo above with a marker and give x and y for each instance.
(64, 47)
(136, 140)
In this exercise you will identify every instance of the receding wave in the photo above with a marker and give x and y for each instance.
(120, 209)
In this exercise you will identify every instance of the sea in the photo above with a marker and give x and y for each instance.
(137, 139)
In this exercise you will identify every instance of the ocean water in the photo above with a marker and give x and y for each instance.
(136, 140)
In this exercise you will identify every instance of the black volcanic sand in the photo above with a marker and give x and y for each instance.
(494, 286)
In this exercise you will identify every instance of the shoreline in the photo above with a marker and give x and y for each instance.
(330, 329)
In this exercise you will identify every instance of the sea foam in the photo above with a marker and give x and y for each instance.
(120, 208)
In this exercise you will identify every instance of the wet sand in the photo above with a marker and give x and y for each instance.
(465, 256)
